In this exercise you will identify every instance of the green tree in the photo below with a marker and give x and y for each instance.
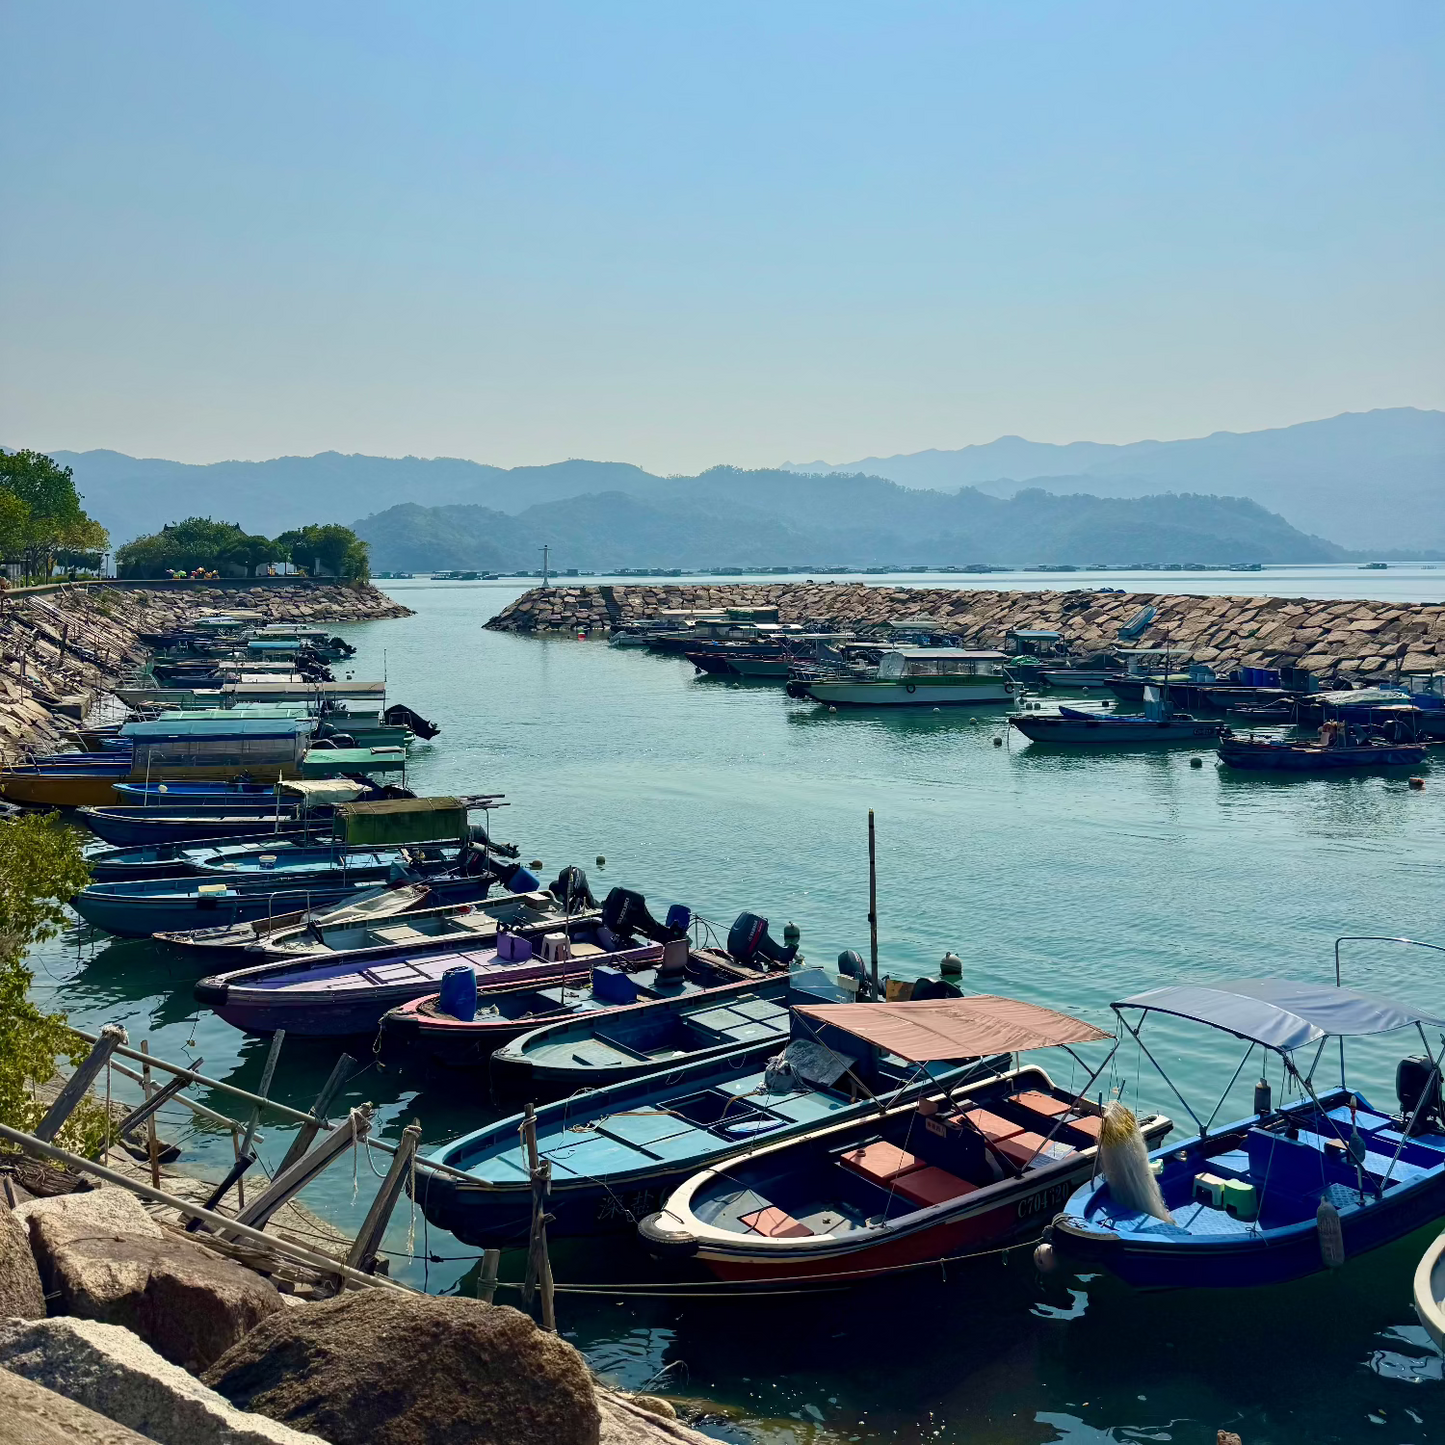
(196, 542)
(253, 552)
(331, 548)
(55, 517)
(41, 866)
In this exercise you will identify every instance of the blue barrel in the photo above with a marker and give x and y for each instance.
(459, 993)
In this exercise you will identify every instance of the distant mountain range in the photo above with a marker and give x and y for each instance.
(1366, 480)
(1371, 479)
(726, 518)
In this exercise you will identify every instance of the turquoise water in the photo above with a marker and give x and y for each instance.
(1068, 879)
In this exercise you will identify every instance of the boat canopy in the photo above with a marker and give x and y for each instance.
(926, 1030)
(1278, 1012)
(315, 791)
(947, 654)
(393, 821)
(172, 729)
(1035, 634)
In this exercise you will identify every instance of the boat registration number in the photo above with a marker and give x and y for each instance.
(1046, 1201)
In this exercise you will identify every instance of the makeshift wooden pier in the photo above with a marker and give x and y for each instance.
(240, 1229)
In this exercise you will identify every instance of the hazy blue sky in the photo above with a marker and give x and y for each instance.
(685, 233)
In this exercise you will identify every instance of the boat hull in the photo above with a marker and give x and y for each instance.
(1286, 758)
(964, 692)
(139, 917)
(1112, 731)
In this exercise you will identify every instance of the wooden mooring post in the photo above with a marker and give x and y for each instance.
(364, 1248)
(539, 1263)
(487, 1278)
(277, 1039)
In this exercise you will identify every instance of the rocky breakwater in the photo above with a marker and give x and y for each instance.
(1358, 640)
(154, 1334)
(59, 650)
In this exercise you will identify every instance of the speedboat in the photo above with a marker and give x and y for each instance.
(939, 1178)
(1290, 1190)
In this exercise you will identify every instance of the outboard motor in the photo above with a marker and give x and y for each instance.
(749, 940)
(572, 888)
(625, 912)
(398, 716)
(478, 834)
(1417, 1086)
(850, 965)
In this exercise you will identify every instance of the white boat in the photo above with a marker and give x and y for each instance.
(1430, 1291)
(921, 677)
(1079, 676)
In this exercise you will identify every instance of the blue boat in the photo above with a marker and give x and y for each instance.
(173, 905)
(591, 1052)
(1285, 1192)
(246, 887)
(158, 824)
(197, 792)
(617, 1152)
(170, 860)
(1339, 750)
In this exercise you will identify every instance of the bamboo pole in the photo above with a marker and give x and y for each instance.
(368, 1239)
(873, 903)
(105, 1045)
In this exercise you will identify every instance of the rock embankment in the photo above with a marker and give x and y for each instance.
(1358, 640)
(60, 650)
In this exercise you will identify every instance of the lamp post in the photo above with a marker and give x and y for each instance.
(545, 551)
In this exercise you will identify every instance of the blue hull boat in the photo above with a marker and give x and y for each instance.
(616, 1153)
(174, 905)
(158, 824)
(171, 860)
(138, 794)
(591, 1052)
(1285, 1192)
(1279, 756)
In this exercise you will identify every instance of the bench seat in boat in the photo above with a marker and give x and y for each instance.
(880, 1161)
(928, 1185)
(1039, 1103)
(991, 1126)
(774, 1223)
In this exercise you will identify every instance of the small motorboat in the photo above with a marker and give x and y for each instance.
(938, 1178)
(616, 1153)
(919, 677)
(590, 1050)
(171, 860)
(1158, 723)
(331, 998)
(1339, 746)
(1287, 1191)
(425, 1033)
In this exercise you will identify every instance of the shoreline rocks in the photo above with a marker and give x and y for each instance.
(60, 650)
(1355, 639)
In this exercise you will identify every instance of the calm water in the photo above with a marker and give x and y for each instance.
(1067, 879)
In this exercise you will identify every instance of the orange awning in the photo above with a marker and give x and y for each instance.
(955, 1028)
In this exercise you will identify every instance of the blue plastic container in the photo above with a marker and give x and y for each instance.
(459, 993)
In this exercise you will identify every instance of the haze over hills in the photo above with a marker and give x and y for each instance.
(769, 519)
(1367, 479)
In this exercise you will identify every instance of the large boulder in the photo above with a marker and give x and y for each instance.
(32, 1415)
(626, 1422)
(108, 1370)
(387, 1367)
(106, 1259)
(20, 1290)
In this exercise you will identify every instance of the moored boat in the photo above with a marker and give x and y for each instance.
(919, 677)
(1340, 746)
(1288, 1191)
(943, 1177)
(1158, 723)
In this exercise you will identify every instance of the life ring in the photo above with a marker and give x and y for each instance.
(909, 687)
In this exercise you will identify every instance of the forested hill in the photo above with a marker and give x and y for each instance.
(771, 519)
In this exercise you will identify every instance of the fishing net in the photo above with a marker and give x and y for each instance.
(1124, 1158)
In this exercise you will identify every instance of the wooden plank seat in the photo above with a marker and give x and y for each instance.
(880, 1162)
(991, 1126)
(1089, 1124)
(930, 1185)
(1028, 1146)
(774, 1223)
(1040, 1103)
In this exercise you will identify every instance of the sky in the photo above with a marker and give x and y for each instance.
(679, 235)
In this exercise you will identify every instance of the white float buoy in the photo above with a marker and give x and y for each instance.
(1044, 1260)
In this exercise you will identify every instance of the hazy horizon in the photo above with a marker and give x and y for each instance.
(688, 236)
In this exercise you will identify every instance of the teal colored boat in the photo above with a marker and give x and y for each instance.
(585, 1053)
(617, 1152)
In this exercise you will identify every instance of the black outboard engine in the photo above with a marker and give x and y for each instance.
(1417, 1086)
(749, 941)
(850, 965)
(398, 716)
(573, 889)
(625, 912)
(478, 834)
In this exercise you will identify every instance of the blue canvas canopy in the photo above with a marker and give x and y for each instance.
(1278, 1012)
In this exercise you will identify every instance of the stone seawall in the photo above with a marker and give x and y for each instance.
(1358, 640)
(60, 649)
